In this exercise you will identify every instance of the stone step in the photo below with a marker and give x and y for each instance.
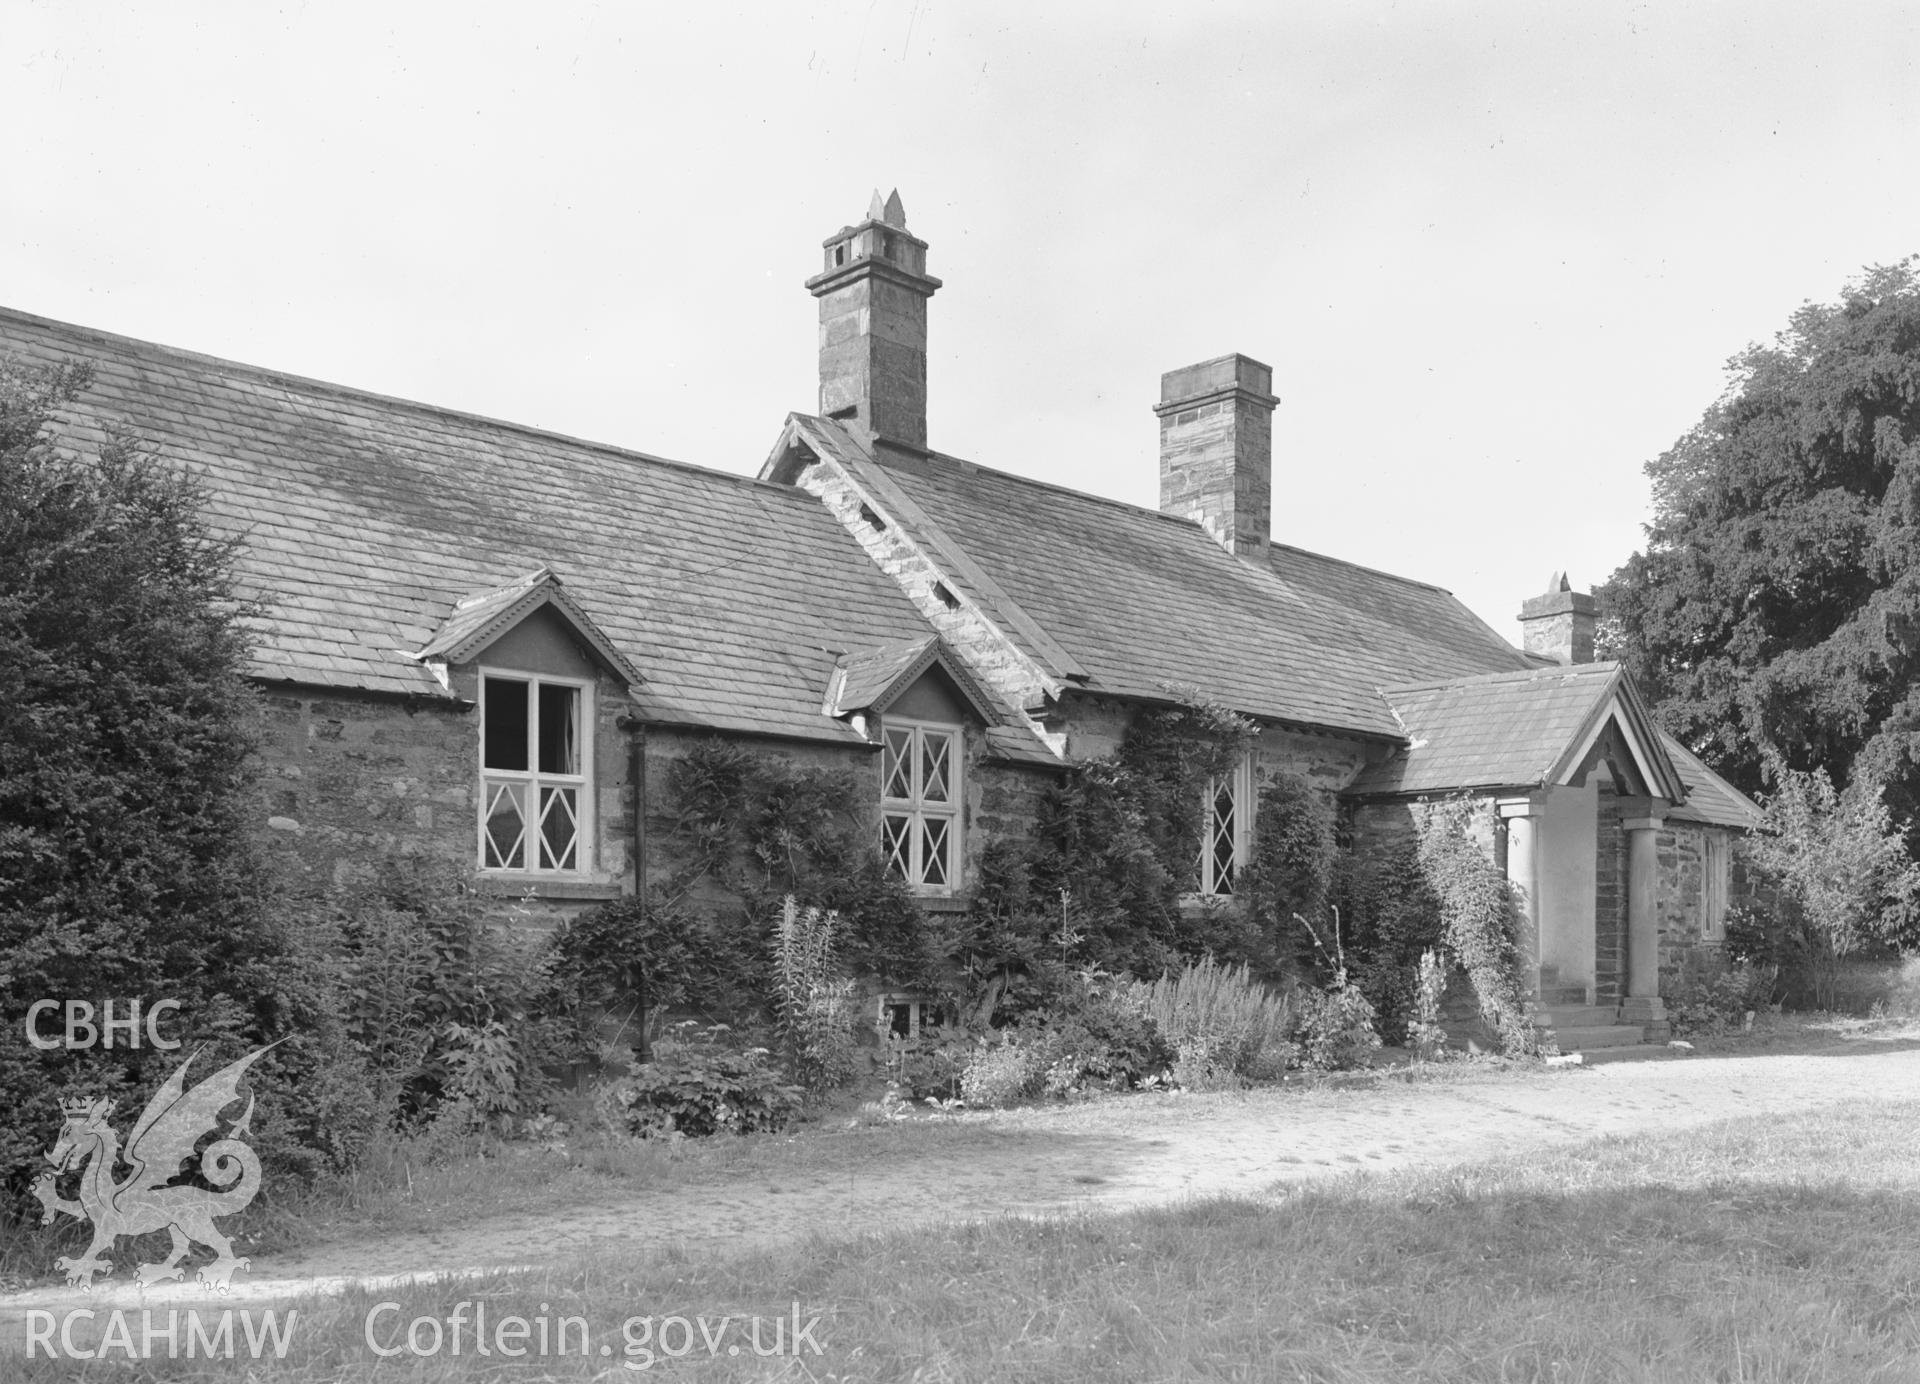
(1562, 994)
(1601, 1036)
(1580, 1015)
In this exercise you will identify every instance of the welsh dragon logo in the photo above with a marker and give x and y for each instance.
(163, 1138)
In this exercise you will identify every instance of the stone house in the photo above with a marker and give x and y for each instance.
(482, 643)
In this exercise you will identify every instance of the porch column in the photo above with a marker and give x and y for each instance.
(1643, 1004)
(1520, 817)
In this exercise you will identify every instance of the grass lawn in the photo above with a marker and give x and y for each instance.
(1754, 1250)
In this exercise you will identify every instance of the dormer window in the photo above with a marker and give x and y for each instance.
(534, 803)
(920, 804)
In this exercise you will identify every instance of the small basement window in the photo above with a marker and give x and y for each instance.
(906, 1015)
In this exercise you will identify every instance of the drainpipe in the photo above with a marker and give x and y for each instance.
(637, 777)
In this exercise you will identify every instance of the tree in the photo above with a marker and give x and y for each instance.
(125, 865)
(1776, 606)
(1841, 864)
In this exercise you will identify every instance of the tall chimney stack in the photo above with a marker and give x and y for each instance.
(1216, 450)
(873, 296)
(1559, 624)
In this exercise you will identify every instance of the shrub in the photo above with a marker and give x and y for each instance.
(813, 1004)
(1479, 920)
(1712, 998)
(1094, 1030)
(764, 827)
(930, 1064)
(696, 1085)
(1116, 846)
(1429, 1039)
(619, 964)
(127, 792)
(1000, 1070)
(438, 994)
(1221, 1022)
(1337, 1027)
(1902, 1000)
(1396, 920)
(1295, 863)
(1840, 862)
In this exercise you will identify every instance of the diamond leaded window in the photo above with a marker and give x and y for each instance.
(534, 796)
(920, 804)
(1225, 839)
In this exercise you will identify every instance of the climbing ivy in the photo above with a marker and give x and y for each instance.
(1296, 860)
(1099, 883)
(1479, 921)
(746, 830)
(1394, 918)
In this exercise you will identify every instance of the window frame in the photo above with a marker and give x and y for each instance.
(918, 810)
(536, 779)
(1716, 885)
(1241, 784)
(924, 1012)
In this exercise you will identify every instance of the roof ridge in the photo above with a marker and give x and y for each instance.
(1611, 666)
(1362, 567)
(1058, 488)
(1160, 514)
(347, 391)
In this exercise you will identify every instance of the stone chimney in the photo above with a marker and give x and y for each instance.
(1216, 450)
(873, 296)
(1560, 623)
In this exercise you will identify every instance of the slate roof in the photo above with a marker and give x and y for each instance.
(873, 678)
(1710, 798)
(1140, 600)
(1504, 730)
(367, 518)
(862, 679)
(481, 618)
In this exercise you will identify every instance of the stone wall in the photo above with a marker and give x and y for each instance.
(1682, 848)
(1610, 902)
(999, 798)
(1096, 726)
(351, 780)
(1683, 865)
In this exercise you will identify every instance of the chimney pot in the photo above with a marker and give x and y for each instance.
(873, 291)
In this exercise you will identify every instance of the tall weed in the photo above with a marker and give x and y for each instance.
(1221, 1021)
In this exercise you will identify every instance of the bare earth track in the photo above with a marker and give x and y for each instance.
(1138, 1151)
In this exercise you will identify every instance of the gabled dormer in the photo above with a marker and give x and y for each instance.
(549, 686)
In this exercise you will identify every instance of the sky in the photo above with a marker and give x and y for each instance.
(1498, 255)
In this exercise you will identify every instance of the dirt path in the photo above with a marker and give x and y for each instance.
(1140, 1151)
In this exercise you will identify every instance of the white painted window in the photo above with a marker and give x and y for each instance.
(920, 801)
(536, 804)
(1226, 842)
(1716, 882)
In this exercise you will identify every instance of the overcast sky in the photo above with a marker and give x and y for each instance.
(1497, 254)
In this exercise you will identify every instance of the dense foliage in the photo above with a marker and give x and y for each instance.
(1294, 870)
(125, 732)
(700, 1083)
(1478, 918)
(1841, 869)
(1776, 607)
(1114, 853)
